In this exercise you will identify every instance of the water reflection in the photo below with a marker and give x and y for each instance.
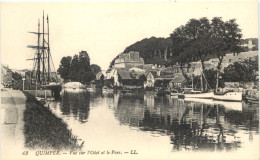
(76, 104)
(189, 124)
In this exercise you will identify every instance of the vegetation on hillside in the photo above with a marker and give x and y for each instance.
(202, 39)
(153, 50)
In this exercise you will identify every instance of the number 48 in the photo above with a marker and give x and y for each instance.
(25, 153)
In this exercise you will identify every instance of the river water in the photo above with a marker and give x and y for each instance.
(159, 127)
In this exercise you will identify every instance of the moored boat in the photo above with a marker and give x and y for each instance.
(228, 96)
(174, 94)
(197, 94)
(251, 100)
(105, 89)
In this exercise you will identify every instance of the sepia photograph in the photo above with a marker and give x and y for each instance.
(122, 80)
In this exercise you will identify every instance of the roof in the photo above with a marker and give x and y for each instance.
(166, 76)
(124, 74)
(178, 79)
(153, 72)
(109, 70)
(137, 70)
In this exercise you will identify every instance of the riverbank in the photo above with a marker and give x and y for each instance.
(43, 130)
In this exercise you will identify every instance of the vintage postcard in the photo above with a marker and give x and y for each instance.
(129, 80)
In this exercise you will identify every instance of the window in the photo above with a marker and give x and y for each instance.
(229, 60)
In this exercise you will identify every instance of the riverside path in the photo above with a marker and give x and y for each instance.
(13, 104)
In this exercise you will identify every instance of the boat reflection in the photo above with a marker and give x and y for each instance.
(191, 124)
(227, 104)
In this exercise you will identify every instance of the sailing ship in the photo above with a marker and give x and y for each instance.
(197, 94)
(42, 61)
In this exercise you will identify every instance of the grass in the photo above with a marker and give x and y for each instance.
(43, 130)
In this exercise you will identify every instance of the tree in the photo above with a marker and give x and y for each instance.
(194, 39)
(238, 72)
(85, 74)
(73, 74)
(78, 68)
(201, 40)
(142, 79)
(225, 38)
(64, 68)
(180, 53)
(95, 68)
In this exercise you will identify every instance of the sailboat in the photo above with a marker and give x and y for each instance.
(196, 94)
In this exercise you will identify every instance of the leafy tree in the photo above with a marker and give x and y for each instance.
(180, 53)
(73, 74)
(95, 68)
(201, 40)
(78, 68)
(225, 38)
(142, 79)
(211, 78)
(238, 72)
(194, 39)
(85, 73)
(64, 68)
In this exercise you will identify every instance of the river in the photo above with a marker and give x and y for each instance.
(157, 127)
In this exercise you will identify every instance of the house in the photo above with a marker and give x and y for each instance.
(129, 60)
(123, 77)
(150, 78)
(177, 82)
(111, 72)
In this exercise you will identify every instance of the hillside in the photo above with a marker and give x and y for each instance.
(158, 50)
(153, 50)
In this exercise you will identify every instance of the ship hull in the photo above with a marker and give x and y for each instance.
(230, 96)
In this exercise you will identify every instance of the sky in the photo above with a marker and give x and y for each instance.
(105, 29)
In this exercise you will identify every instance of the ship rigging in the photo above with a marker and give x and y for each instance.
(42, 60)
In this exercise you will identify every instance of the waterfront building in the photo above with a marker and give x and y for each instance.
(150, 78)
(177, 82)
(129, 60)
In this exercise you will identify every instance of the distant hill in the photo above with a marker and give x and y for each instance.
(153, 50)
(158, 50)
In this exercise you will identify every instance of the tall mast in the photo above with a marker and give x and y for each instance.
(43, 50)
(38, 72)
(48, 49)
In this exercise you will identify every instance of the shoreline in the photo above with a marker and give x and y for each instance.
(44, 130)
